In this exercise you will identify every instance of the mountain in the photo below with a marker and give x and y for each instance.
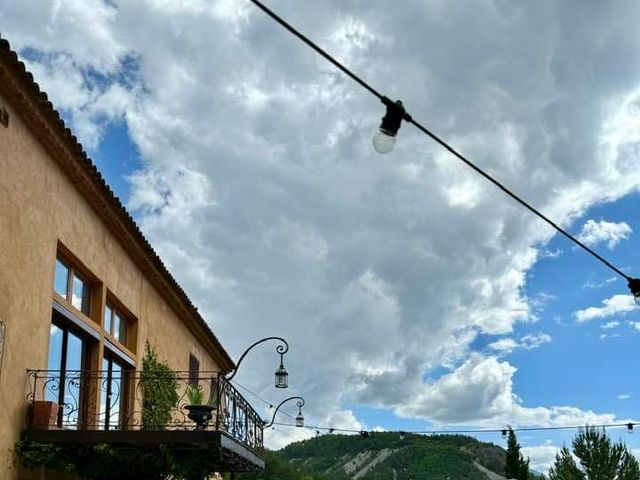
(386, 456)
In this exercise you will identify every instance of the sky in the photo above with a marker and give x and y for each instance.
(413, 293)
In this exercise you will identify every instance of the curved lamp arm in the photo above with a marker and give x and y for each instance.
(300, 404)
(280, 349)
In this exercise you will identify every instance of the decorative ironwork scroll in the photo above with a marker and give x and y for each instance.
(103, 400)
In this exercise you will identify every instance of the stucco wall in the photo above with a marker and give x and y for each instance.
(40, 207)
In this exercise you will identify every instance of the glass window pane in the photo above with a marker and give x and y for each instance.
(53, 383)
(60, 278)
(72, 383)
(122, 331)
(116, 396)
(74, 352)
(103, 393)
(116, 325)
(107, 318)
(80, 294)
(55, 348)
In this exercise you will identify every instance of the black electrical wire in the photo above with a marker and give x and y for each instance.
(469, 431)
(269, 404)
(436, 138)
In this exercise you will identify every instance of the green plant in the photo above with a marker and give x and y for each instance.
(159, 390)
(598, 458)
(195, 396)
(515, 465)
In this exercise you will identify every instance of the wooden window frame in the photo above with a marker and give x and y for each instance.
(74, 271)
(126, 317)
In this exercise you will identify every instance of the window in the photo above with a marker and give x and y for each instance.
(115, 323)
(114, 393)
(71, 285)
(194, 370)
(67, 352)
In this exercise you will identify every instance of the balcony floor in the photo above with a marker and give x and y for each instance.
(232, 455)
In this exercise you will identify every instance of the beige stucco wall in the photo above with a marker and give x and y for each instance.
(39, 207)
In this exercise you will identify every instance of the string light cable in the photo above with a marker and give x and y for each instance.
(503, 431)
(396, 113)
(266, 402)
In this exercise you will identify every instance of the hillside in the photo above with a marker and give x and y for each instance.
(385, 456)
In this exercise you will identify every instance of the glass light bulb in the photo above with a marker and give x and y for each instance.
(636, 298)
(383, 142)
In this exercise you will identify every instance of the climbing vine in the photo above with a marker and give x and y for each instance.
(159, 391)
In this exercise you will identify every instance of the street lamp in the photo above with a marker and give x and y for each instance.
(299, 418)
(385, 138)
(282, 376)
(634, 286)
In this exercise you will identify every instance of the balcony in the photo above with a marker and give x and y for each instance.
(118, 408)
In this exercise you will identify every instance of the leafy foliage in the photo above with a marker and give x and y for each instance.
(599, 459)
(159, 387)
(415, 457)
(104, 462)
(195, 396)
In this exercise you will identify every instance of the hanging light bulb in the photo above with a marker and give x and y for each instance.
(634, 286)
(385, 138)
(402, 434)
(504, 433)
(630, 427)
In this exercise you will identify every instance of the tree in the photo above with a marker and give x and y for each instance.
(598, 459)
(516, 466)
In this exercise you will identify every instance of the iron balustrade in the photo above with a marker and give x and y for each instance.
(102, 400)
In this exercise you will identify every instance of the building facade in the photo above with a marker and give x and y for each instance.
(81, 295)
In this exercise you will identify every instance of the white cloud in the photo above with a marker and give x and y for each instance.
(541, 456)
(624, 396)
(480, 391)
(260, 189)
(610, 325)
(590, 284)
(595, 232)
(618, 304)
(527, 342)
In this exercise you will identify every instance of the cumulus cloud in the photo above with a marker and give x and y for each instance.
(595, 232)
(618, 304)
(481, 391)
(260, 189)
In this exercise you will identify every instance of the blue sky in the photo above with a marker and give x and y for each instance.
(414, 294)
(564, 282)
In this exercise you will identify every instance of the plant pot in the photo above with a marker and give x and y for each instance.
(44, 415)
(200, 414)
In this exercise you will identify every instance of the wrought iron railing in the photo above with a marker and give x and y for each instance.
(103, 400)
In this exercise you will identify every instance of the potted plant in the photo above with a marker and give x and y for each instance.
(199, 412)
(44, 415)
